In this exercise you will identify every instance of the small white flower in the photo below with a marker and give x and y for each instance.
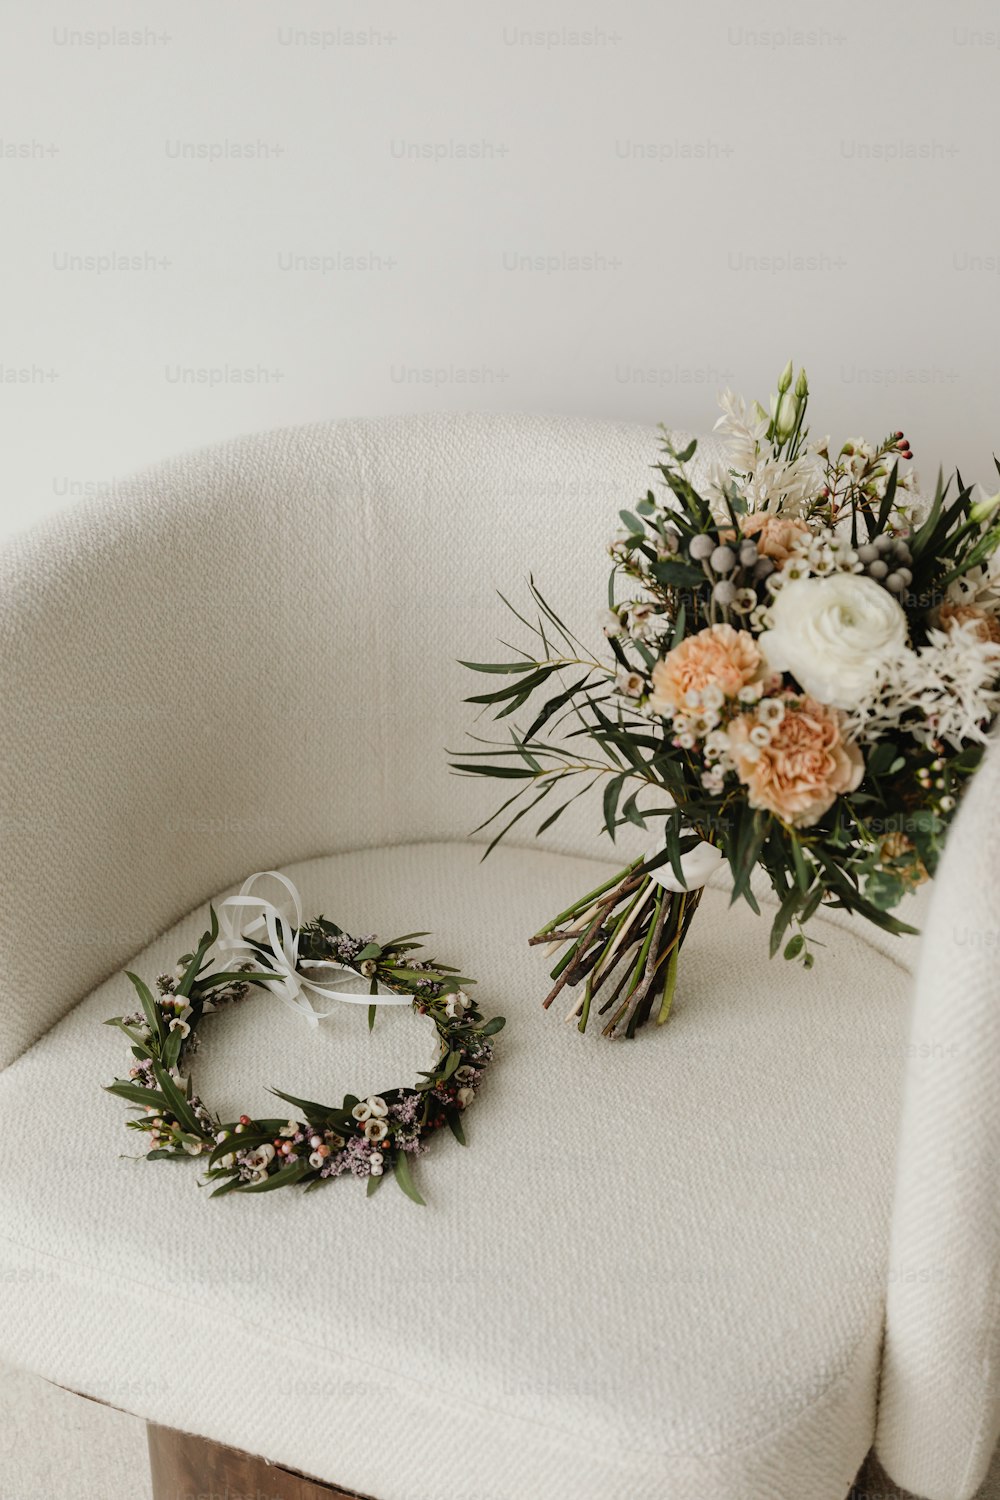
(686, 741)
(795, 569)
(713, 696)
(376, 1130)
(289, 1130)
(464, 1074)
(457, 1004)
(611, 623)
(750, 693)
(178, 1025)
(374, 1107)
(376, 1162)
(316, 1160)
(257, 1174)
(716, 744)
(259, 1159)
(745, 601)
(770, 711)
(692, 698)
(630, 684)
(193, 1147)
(368, 968)
(646, 622)
(465, 1097)
(760, 735)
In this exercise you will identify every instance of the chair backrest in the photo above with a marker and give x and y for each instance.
(939, 1410)
(248, 657)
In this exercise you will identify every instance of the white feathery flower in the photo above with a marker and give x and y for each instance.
(742, 431)
(775, 484)
(947, 690)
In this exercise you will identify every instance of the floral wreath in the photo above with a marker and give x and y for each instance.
(363, 1137)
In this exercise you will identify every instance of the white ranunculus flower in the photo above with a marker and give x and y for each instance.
(831, 633)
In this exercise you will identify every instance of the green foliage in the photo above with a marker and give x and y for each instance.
(178, 1124)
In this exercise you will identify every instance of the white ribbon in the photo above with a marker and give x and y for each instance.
(280, 939)
(697, 865)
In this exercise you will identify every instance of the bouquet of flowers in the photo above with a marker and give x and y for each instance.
(804, 664)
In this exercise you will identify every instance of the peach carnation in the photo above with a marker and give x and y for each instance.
(987, 625)
(717, 656)
(775, 535)
(803, 768)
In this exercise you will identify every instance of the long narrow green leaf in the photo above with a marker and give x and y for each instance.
(149, 1006)
(401, 1168)
(137, 1095)
(510, 772)
(784, 915)
(523, 687)
(498, 666)
(176, 1102)
(284, 1177)
(887, 498)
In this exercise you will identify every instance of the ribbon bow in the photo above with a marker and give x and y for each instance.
(697, 865)
(279, 937)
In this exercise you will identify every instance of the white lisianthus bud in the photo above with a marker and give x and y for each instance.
(785, 378)
(832, 633)
(786, 416)
(983, 508)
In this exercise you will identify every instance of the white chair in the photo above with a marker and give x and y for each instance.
(662, 1268)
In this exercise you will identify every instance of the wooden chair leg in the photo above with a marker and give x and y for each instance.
(185, 1467)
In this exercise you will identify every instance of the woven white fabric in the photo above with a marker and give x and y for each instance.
(939, 1416)
(658, 1269)
(246, 659)
(249, 656)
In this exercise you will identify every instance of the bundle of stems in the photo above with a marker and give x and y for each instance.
(624, 941)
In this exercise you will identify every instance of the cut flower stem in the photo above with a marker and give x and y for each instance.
(630, 927)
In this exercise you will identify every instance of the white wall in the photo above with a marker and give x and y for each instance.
(635, 203)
